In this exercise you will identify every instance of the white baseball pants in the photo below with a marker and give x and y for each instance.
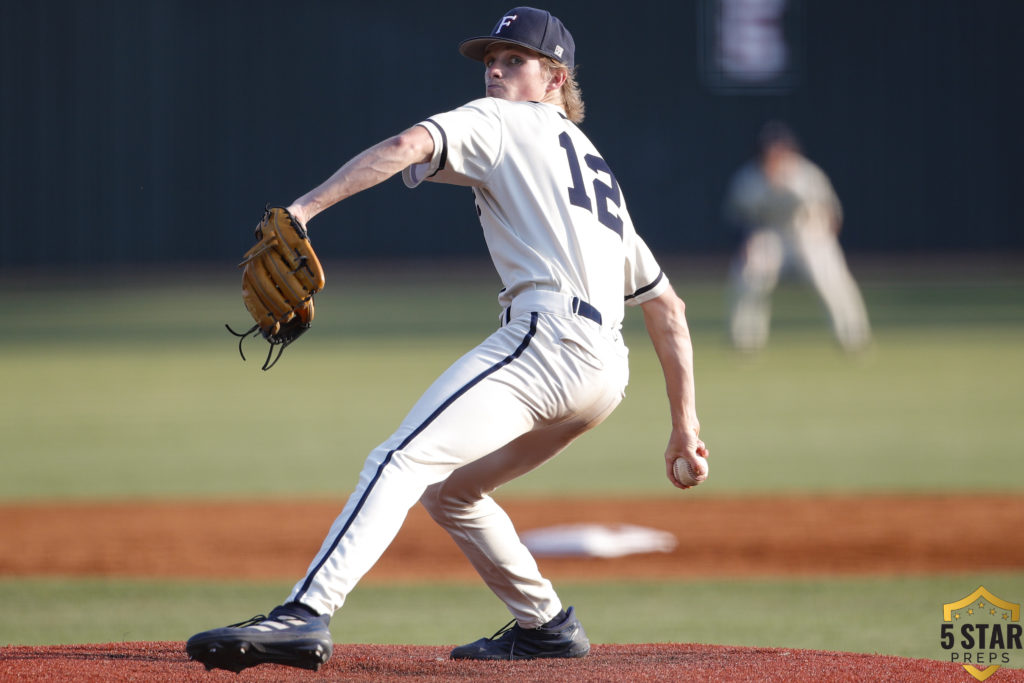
(815, 253)
(503, 409)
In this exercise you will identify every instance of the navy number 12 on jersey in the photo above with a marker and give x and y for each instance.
(603, 192)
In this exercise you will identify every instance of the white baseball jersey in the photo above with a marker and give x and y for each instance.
(552, 212)
(561, 238)
(759, 204)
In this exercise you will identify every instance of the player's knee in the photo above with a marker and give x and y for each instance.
(444, 502)
(431, 500)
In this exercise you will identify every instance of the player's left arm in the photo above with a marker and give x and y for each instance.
(371, 167)
(665, 318)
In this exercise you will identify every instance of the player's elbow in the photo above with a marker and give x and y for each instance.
(666, 311)
(413, 145)
(680, 307)
(672, 304)
(678, 317)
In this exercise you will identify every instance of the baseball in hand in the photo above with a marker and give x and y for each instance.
(690, 474)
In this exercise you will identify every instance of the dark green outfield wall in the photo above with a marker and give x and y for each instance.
(121, 121)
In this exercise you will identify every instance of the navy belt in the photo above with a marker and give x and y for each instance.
(579, 307)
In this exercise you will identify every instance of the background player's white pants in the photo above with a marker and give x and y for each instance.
(501, 410)
(816, 255)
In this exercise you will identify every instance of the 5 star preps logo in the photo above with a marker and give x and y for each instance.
(982, 632)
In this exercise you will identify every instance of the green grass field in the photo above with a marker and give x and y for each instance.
(898, 615)
(128, 387)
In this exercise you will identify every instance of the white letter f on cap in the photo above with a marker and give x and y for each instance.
(506, 21)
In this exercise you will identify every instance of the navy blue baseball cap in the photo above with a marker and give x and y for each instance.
(529, 27)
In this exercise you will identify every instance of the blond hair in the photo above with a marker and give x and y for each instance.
(572, 96)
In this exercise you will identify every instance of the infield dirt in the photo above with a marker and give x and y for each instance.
(718, 537)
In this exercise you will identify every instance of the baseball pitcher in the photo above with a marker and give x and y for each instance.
(557, 226)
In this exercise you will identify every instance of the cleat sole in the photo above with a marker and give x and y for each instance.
(247, 654)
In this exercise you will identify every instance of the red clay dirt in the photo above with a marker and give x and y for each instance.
(166, 661)
(717, 537)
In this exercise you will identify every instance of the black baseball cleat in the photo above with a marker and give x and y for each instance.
(292, 635)
(562, 637)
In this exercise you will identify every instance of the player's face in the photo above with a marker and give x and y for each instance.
(515, 74)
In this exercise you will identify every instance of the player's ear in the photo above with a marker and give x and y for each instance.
(557, 75)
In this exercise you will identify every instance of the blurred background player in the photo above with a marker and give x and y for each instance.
(790, 217)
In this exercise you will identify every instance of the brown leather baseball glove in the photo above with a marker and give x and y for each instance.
(281, 274)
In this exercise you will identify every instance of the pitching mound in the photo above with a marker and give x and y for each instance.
(664, 662)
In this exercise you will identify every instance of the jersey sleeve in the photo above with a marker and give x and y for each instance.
(467, 145)
(644, 278)
(415, 174)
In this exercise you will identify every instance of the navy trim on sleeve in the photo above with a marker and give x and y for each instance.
(444, 148)
(647, 288)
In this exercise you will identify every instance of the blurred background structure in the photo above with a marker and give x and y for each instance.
(121, 120)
